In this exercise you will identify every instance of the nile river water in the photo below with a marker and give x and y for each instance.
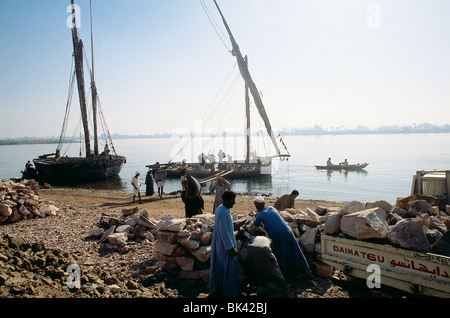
(393, 161)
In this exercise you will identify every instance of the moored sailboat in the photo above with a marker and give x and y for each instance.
(253, 166)
(94, 165)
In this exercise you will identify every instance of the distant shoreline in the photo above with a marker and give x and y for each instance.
(28, 141)
(316, 131)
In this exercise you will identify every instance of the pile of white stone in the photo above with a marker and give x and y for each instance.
(413, 223)
(19, 199)
(117, 231)
(183, 245)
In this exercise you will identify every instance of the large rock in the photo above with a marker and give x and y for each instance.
(165, 248)
(392, 218)
(186, 263)
(15, 216)
(354, 206)
(107, 233)
(403, 202)
(48, 209)
(5, 210)
(24, 211)
(313, 218)
(366, 224)
(118, 238)
(308, 217)
(409, 234)
(174, 225)
(202, 253)
(438, 224)
(148, 223)
(400, 212)
(97, 232)
(333, 224)
(189, 243)
(386, 206)
(419, 206)
(443, 245)
(166, 236)
(308, 240)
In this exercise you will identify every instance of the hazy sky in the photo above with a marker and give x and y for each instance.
(160, 66)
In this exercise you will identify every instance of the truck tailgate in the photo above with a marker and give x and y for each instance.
(411, 271)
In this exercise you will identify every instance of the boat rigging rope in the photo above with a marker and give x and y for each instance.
(206, 117)
(223, 38)
(68, 104)
(233, 88)
(101, 116)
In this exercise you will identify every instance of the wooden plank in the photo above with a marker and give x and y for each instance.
(220, 174)
(419, 182)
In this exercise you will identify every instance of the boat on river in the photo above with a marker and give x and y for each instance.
(346, 167)
(253, 166)
(93, 165)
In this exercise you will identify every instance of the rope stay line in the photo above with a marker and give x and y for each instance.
(217, 101)
(68, 105)
(222, 37)
(104, 128)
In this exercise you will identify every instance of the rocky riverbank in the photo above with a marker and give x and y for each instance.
(48, 256)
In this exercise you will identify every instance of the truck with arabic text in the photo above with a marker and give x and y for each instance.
(414, 272)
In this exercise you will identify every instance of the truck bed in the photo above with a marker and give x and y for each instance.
(415, 272)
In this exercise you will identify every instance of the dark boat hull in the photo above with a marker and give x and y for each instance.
(70, 169)
(354, 167)
(238, 171)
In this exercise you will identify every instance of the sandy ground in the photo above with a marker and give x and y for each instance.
(169, 204)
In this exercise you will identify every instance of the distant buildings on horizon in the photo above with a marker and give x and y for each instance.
(315, 130)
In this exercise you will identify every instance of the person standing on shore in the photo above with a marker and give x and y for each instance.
(136, 186)
(160, 180)
(191, 196)
(285, 247)
(149, 189)
(224, 273)
(286, 201)
(219, 187)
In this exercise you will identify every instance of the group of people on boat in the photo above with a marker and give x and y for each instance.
(330, 164)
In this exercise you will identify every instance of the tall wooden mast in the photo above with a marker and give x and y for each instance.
(247, 131)
(249, 82)
(78, 57)
(93, 90)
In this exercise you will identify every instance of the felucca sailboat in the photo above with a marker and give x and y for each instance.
(94, 165)
(252, 166)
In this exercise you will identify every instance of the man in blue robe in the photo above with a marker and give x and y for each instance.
(285, 247)
(224, 272)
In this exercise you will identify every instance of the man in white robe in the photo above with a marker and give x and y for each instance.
(224, 272)
(136, 186)
(219, 187)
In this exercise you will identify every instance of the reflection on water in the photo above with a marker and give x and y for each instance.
(343, 172)
(260, 186)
